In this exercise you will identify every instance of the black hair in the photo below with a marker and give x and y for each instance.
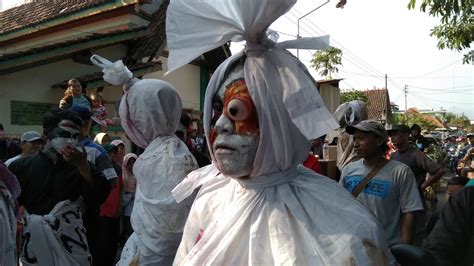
(53, 117)
(185, 120)
(415, 127)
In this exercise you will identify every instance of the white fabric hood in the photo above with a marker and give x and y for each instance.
(290, 109)
(149, 108)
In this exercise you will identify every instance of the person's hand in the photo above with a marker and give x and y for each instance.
(423, 186)
(74, 156)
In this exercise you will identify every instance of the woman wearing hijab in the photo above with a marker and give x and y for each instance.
(150, 111)
(102, 139)
(257, 204)
(120, 149)
(128, 194)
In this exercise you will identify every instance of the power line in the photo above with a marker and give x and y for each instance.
(471, 103)
(361, 64)
(426, 74)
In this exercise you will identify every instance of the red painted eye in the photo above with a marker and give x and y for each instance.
(237, 110)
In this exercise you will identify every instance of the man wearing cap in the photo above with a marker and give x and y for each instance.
(31, 142)
(418, 162)
(386, 187)
(418, 139)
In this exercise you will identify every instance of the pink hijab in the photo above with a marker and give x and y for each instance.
(129, 180)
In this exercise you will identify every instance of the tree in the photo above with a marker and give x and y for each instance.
(456, 31)
(326, 62)
(352, 95)
(413, 116)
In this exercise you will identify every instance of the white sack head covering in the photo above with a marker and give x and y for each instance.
(149, 108)
(351, 113)
(289, 107)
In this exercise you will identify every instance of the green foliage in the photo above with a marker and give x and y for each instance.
(326, 62)
(456, 31)
(460, 121)
(414, 117)
(352, 95)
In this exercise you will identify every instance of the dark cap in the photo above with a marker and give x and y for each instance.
(369, 126)
(399, 128)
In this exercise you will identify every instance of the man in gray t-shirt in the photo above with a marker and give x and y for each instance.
(391, 195)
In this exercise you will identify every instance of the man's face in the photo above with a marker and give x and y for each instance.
(235, 136)
(415, 132)
(366, 144)
(66, 133)
(31, 147)
(399, 138)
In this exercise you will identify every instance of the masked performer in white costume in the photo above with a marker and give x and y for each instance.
(150, 111)
(257, 205)
(348, 114)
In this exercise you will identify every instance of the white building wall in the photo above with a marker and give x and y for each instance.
(186, 80)
(34, 85)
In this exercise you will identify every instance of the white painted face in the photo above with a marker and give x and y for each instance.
(235, 135)
(66, 133)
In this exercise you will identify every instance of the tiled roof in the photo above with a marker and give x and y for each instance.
(378, 104)
(38, 11)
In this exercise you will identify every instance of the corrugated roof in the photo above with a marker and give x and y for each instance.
(94, 36)
(378, 104)
(36, 12)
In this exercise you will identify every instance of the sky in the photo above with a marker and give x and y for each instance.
(379, 37)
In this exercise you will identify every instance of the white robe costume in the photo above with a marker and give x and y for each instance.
(150, 111)
(283, 214)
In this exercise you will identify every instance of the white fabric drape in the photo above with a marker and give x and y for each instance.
(58, 238)
(150, 111)
(283, 213)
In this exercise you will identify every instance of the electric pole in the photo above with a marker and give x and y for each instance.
(405, 90)
(386, 82)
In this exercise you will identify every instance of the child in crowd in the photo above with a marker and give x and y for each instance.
(74, 95)
(99, 112)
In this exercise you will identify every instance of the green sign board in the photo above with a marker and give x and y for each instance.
(29, 113)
